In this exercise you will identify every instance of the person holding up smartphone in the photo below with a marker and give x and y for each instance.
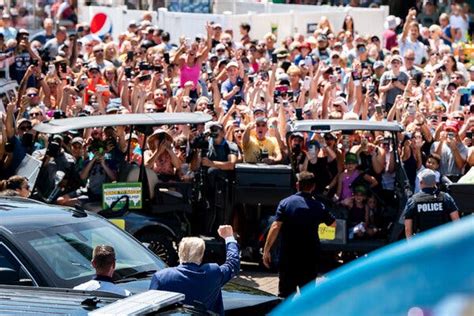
(393, 82)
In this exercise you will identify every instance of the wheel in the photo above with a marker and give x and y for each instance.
(162, 246)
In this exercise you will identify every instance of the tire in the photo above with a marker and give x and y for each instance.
(162, 246)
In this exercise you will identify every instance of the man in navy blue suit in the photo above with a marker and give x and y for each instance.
(200, 282)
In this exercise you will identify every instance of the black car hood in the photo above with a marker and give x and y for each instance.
(235, 296)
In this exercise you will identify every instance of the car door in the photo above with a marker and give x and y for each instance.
(12, 271)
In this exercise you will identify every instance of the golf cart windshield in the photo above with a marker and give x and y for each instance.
(344, 125)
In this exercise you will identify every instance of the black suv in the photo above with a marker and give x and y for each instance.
(48, 246)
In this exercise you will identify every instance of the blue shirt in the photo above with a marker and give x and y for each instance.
(200, 283)
(301, 215)
(227, 87)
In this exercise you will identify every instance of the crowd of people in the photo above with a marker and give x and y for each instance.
(416, 74)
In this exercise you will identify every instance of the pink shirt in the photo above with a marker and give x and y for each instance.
(190, 74)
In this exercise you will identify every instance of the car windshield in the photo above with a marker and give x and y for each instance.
(64, 253)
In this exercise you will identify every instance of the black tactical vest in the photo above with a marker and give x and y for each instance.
(430, 211)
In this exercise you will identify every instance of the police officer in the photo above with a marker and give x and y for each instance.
(428, 208)
(298, 218)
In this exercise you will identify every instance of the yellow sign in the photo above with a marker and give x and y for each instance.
(326, 232)
(120, 223)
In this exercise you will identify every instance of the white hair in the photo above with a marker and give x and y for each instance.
(191, 250)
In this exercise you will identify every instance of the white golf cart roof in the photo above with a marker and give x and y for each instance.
(152, 119)
(343, 125)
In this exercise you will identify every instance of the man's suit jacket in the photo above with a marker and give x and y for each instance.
(200, 283)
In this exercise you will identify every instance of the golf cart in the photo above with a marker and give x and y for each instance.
(154, 212)
(338, 240)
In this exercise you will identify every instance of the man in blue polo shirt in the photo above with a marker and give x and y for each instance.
(297, 218)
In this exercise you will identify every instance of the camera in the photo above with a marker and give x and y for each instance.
(128, 72)
(53, 149)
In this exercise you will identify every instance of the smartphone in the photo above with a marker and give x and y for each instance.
(158, 68)
(451, 135)
(130, 55)
(166, 57)
(237, 99)
(35, 62)
(371, 89)
(63, 67)
(308, 61)
(444, 119)
(471, 108)
(274, 59)
(128, 72)
(307, 82)
(356, 75)
(427, 82)
(240, 83)
(378, 109)
(51, 69)
(469, 135)
(102, 88)
(144, 78)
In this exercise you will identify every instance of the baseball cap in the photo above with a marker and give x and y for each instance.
(232, 64)
(220, 46)
(21, 121)
(396, 57)
(428, 177)
(322, 38)
(378, 64)
(259, 109)
(77, 140)
(351, 158)
(261, 120)
(359, 189)
(451, 126)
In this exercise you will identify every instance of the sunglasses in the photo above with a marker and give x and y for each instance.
(99, 51)
(77, 146)
(410, 58)
(261, 125)
(32, 95)
(150, 110)
(459, 118)
(35, 114)
(239, 131)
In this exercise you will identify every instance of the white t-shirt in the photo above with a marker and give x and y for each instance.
(417, 46)
(104, 286)
(459, 23)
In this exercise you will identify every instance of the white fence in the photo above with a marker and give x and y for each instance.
(287, 19)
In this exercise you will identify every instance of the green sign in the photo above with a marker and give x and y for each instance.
(113, 191)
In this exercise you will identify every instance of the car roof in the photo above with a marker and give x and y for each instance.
(152, 119)
(21, 300)
(19, 215)
(344, 125)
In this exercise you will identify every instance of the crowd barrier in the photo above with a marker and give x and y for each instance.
(283, 20)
